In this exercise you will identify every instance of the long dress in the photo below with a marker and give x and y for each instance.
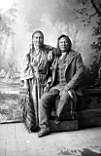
(37, 75)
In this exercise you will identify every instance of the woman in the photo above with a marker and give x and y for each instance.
(37, 74)
(67, 70)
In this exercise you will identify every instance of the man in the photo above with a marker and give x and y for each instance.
(67, 70)
(37, 76)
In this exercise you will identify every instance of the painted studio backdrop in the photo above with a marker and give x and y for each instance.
(80, 19)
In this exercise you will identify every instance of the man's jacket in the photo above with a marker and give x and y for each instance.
(74, 69)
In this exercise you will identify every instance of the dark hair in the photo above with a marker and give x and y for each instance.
(40, 32)
(68, 40)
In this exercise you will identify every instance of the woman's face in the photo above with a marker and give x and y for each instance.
(38, 40)
(63, 44)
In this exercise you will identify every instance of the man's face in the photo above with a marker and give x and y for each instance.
(37, 40)
(63, 44)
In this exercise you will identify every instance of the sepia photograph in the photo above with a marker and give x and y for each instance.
(50, 78)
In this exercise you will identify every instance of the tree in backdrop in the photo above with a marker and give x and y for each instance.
(89, 13)
(6, 31)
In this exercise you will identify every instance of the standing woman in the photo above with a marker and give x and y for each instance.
(37, 75)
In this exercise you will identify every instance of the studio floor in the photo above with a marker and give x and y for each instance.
(16, 141)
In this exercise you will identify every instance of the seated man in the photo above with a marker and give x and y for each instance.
(67, 70)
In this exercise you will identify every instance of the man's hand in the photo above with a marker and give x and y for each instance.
(70, 94)
(47, 87)
(66, 91)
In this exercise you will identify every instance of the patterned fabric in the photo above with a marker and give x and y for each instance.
(37, 75)
(61, 72)
(29, 113)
